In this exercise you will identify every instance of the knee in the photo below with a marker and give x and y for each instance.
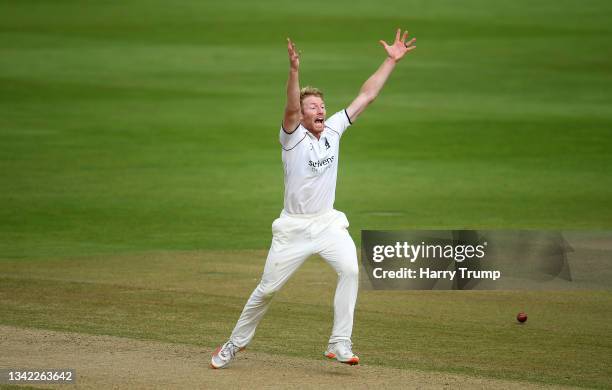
(266, 291)
(350, 271)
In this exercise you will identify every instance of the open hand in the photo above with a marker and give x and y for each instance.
(294, 56)
(400, 47)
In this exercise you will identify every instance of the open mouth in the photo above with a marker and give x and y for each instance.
(319, 121)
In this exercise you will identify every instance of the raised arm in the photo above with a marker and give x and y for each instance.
(292, 110)
(374, 84)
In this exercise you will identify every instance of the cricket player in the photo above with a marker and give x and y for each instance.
(308, 223)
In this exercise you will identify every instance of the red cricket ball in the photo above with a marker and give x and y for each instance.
(521, 317)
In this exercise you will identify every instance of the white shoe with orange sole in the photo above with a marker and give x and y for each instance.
(342, 352)
(224, 354)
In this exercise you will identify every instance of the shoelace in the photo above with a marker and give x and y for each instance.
(228, 351)
(347, 345)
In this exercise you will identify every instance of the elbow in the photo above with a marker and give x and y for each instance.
(369, 97)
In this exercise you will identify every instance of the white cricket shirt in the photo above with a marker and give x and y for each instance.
(311, 166)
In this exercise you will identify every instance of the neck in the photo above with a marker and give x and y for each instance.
(315, 133)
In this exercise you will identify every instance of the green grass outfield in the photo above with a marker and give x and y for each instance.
(130, 128)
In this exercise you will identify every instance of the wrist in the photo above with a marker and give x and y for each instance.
(391, 60)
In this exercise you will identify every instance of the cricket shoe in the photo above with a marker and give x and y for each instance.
(224, 354)
(342, 351)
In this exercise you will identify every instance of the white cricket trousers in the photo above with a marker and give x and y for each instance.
(295, 237)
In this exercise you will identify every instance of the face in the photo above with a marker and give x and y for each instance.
(313, 114)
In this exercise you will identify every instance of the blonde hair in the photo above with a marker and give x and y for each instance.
(310, 91)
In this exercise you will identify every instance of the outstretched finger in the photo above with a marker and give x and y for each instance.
(383, 43)
(293, 50)
(410, 42)
(397, 34)
(404, 36)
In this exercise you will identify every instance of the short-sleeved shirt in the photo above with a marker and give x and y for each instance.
(311, 165)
